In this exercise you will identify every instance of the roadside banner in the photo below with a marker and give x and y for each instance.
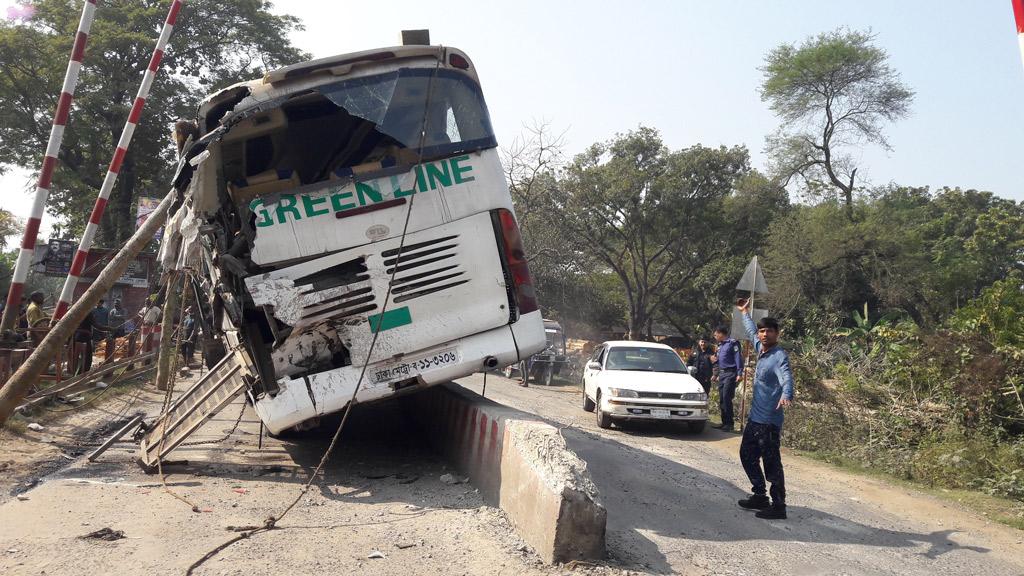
(146, 206)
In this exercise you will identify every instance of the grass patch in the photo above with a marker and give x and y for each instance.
(1003, 510)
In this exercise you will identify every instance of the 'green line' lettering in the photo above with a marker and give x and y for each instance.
(458, 171)
(438, 173)
(287, 204)
(264, 216)
(364, 191)
(336, 201)
(310, 205)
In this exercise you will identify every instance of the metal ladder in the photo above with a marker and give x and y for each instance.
(204, 399)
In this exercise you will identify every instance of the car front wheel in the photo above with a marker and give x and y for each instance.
(603, 419)
(588, 404)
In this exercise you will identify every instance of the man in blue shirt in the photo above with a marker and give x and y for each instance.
(730, 371)
(773, 391)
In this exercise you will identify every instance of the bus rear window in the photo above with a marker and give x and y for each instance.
(359, 125)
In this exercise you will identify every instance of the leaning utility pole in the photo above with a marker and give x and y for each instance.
(19, 384)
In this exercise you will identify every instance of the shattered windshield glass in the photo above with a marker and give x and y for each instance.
(355, 127)
(398, 103)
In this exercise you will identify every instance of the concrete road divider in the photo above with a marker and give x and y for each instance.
(522, 465)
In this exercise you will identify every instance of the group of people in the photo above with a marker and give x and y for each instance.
(103, 324)
(773, 392)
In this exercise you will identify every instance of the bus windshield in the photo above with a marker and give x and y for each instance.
(360, 125)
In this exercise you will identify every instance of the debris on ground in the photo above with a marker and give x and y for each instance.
(404, 545)
(35, 426)
(452, 479)
(376, 554)
(102, 385)
(104, 534)
(22, 497)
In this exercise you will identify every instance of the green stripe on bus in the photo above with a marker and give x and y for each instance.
(390, 319)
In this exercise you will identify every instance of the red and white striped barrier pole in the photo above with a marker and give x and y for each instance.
(1018, 14)
(60, 119)
(78, 263)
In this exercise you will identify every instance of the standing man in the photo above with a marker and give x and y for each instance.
(189, 336)
(117, 318)
(762, 436)
(35, 317)
(700, 359)
(730, 371)
(83, 335)
(102, 316)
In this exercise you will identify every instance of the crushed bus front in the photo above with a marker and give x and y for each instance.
(354, 228)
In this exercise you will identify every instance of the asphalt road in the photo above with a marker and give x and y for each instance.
(671, 500)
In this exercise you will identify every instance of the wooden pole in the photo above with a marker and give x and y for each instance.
(167, 341)
(746, 361)
(19, 384)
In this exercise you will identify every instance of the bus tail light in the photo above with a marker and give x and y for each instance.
(458, 61)
(515, 259)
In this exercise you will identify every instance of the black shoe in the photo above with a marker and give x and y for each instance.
(773, 513)
(756, 502)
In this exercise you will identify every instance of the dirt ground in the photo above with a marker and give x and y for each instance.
(381, 507)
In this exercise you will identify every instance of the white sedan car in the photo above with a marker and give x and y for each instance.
(627, 380)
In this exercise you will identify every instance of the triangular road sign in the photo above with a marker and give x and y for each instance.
(753, 277)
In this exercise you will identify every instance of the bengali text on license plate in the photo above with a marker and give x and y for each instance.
(413, 367)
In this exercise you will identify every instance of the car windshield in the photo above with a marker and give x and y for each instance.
(644, 360)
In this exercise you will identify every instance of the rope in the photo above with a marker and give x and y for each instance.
(168, 396)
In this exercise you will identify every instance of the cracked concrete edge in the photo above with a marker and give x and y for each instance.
(521, 464)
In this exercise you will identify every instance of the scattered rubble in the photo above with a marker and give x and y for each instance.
(35, 426)
(452, 479)
(105, 534)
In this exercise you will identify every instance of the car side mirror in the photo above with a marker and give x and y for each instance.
(593, 365)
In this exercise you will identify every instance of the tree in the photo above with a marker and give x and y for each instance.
(640, 212)
(835, 91)
(10, 226)
(214, 44)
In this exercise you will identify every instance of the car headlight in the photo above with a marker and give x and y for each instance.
(699, 396)
(623, 393)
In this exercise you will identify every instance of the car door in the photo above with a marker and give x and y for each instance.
(590, 375)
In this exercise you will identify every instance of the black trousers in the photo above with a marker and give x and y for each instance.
(761, 445)
(726, 392)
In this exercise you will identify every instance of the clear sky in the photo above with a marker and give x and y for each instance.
(690, 69)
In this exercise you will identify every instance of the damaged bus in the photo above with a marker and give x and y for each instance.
(349, 219)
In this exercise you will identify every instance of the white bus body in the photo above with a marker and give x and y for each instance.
(295, 216)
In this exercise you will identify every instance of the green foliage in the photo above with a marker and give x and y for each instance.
(631, 208)
(834, 91)
(10, 227)
(214, 44)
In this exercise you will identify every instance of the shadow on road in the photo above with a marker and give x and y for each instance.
(646, 493)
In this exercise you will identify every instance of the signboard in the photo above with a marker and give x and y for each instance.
(58, 257)
(137, 274)
(146, 206)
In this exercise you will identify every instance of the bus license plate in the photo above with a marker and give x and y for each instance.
(657, 413)
(408, 369)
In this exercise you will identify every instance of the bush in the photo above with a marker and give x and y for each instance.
(942, 407)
